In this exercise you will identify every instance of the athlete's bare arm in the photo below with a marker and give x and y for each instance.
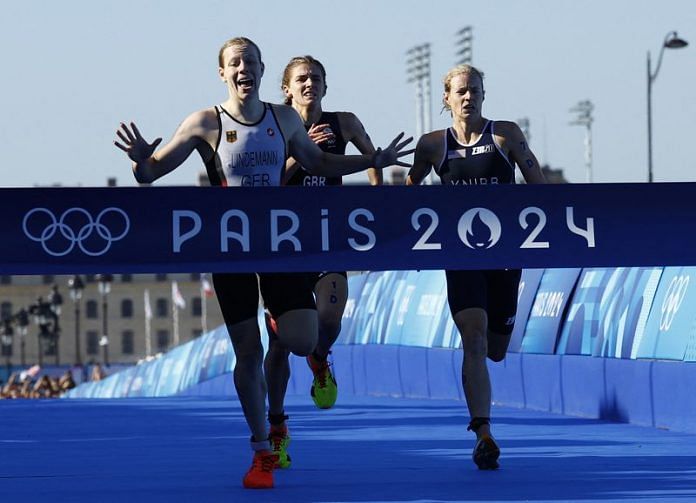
(317, 162)
(428, 154)
(354, 132)
(513, 141)
(197, 132)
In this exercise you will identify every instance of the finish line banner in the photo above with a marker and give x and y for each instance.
(213, 229)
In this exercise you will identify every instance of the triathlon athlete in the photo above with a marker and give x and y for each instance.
(304, 86)
(477, 151)
(244, 125)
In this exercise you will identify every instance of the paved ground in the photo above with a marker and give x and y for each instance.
(366, 449)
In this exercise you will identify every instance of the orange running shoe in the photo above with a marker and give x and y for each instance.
(260, 475)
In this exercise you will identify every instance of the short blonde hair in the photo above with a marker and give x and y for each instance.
(459, 70)
(242, 41)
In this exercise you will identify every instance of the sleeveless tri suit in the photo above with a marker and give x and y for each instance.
(253, 155)
(480, 163)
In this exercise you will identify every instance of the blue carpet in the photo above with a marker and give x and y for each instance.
(365, 449)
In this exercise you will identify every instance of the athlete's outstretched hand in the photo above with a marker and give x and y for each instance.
(319, 133)
(390, 155)
(134, 144)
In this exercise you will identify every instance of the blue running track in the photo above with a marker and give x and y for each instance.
(365, 449)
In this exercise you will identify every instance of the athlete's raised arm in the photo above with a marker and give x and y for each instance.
(317, 162)
(355, 133)
(149, 164)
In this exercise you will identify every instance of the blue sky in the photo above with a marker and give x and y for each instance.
(74, 69)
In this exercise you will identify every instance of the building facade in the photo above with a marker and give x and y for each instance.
(85, 334)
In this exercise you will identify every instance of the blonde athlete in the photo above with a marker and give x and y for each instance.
(477, 151)
(225, 136)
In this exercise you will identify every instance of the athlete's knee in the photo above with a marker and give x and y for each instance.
(304, 346)
(474, 343)
(472, 328)
(298, 332)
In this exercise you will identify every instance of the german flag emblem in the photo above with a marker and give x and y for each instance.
(231, 136)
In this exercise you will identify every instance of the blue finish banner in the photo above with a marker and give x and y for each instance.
(189, 229)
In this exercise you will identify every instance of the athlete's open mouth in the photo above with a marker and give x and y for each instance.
(245, 82)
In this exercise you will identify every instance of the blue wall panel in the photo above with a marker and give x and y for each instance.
(413, 368)
(444, 381)
(582, 381)
(628, 394)
(382, 373)
(507, 380)
(542, 382)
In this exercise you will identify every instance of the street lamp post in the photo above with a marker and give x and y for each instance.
(6, 339)
(55, 300)
(584, 118)
(418, 70)
(41, 313)
(104, 289)
(672, 41)
(22, 328)
(464, 44)
(76, 287)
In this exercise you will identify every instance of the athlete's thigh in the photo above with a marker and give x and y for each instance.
(331, 291)
(283, 292)
(238, 296)
(503, 288)
(466, 290)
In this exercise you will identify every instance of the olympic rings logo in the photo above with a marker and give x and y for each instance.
(673, 300)
(59, 236)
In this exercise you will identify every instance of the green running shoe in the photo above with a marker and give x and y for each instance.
(324, 389)
(280, 440)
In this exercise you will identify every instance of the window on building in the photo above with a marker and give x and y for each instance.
(92, 342)
(196, 309)
(195, 276)
(48, 279)
(162, 340)
(126, 308)
(90, 278)
(162, 308)
(91, 309)
(196, 332)
(5, 280)
(160, 277)
(5, 310)
(127, 342)
(126, 278)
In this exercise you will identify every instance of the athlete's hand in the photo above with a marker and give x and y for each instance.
(134, 144)
(390, 155)
(319, 133)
